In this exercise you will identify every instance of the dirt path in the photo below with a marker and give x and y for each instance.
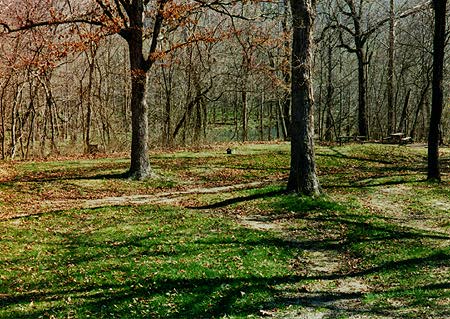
(333, 296)
(163, 198)
(325, 298)
(168, 198)
(328, 295)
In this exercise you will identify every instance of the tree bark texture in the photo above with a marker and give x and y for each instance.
(362, 92)
(139, 166)
(303, 177)
(437, 100)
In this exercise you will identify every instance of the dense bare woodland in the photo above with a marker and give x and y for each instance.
(137, 179)
(219, 72)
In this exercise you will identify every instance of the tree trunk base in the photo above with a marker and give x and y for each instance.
(140, 175)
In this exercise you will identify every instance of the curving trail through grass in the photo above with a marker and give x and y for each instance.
(214, 236)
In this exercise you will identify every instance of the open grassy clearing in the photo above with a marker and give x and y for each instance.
(137, 262)
(28, 187)
(376, 246)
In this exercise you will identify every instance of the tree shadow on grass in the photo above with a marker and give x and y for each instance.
(396, 165)
(214, 297)
(348, 304)
(376, 159)
(145, 292)
(206, 297)
(240, 199)
(376, 181)
(326, 217)
(218, 295)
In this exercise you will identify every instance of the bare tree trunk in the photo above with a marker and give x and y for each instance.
(261, 118)
(402, 123)
(133, 33)
(286, 105)
(437, 89)
(139, 69)
(360, 39)
(420, 107)
(362, 94)
(13, 122)
(321, 108)
(269, 135)
(139, 166)
(390, 80)
(87, 140)
(43, 137)
(303, 177)
(49, 102)
(167, 131)
(3, 113)
(282, 121)
(3, 128)
(244, 100)
(330, 92)
(90, 98)
(30, 133)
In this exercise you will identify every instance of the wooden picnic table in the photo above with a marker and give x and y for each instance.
(397, 136)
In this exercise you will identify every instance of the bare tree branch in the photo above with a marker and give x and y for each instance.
(156, 31)
(30, 25)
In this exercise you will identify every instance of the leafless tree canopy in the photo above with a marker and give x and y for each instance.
(79, 73)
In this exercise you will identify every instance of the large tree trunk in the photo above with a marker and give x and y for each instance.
(140, 166)
(303, 177)
(437, 90)
(362, 94)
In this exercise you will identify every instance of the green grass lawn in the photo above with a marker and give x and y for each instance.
(137, 262)
(376, 245)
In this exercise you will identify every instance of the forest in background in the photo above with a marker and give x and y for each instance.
(221, 73)
(200, 233)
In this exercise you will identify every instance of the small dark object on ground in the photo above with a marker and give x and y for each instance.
(229, 151)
